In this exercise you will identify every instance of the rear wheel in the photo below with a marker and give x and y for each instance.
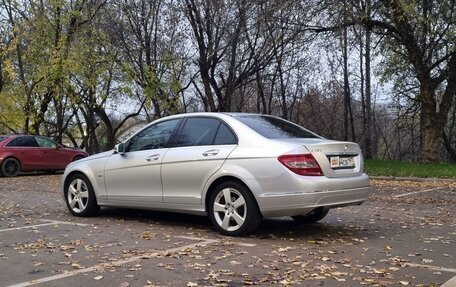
(233, 209)
(311, 217)
(10, 167)
(80, 197)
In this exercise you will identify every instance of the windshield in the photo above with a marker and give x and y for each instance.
(274, 128)
(2, 138)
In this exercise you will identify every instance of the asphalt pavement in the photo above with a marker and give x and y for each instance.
(403, 236)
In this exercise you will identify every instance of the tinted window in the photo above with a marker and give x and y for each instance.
(2, 138)
(274, 128)
(153, 137)
(23, 142)
(44, 142)
(224, 136)
(198, 131)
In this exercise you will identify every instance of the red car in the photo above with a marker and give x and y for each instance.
(28, 152)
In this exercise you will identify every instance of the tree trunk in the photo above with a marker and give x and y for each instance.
(346, 83)
(431, 135)
(433, 119)
(1, 75)
(451, 151)
(368, 103)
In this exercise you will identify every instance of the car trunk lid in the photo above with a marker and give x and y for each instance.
(337, 158)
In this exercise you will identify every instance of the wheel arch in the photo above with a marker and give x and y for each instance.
(77, 157)
(90, 178)
(91, 205)
(223, 179)
(11, 157)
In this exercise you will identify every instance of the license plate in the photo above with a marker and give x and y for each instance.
(342, 162)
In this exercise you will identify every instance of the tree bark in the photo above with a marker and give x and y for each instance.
(451, 151)
(367, 94)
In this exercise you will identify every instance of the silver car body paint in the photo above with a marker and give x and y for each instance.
(178, 179)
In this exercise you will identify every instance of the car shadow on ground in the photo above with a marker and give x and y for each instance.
(35, 173)
(271, 228)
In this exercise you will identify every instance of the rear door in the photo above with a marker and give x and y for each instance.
(201, 148)
(26, 150)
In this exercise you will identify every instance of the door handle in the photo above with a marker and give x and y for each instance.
(153, 157)
(211, 152)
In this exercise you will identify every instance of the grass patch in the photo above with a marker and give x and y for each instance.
(409, 169)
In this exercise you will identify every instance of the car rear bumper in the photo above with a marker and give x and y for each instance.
(298, 203)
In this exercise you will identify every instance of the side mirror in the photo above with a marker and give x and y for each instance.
(120, 148)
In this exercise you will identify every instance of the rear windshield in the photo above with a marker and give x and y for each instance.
(2, 138)
(274, 128)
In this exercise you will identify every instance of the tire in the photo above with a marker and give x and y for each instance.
(80, 197)
(10, 167)
(311, 217)
(233, 209)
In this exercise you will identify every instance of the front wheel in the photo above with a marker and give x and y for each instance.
(233, 209)
(311, 217)
(10, 167)
(80, 197)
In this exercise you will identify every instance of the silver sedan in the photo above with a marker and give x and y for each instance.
(236, 168)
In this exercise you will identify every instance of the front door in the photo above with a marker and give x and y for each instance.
(52, 156)
(135, 176)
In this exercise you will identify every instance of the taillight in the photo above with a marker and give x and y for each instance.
(302, 164)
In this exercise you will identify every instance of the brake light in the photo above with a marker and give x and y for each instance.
(302, 164)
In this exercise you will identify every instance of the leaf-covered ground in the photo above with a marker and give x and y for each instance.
(403, 236)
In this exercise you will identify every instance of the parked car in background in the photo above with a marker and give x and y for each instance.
(29, 153)
(235, 168)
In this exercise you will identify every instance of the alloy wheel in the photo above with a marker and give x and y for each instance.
(78, 195)
(10, 167)
(230, 209)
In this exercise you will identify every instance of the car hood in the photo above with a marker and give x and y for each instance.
(96, 156)
(100, 155)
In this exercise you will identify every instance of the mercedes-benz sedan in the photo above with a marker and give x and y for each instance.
(235, 168)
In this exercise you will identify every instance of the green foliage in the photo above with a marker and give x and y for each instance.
(11, 114)
(408, 169)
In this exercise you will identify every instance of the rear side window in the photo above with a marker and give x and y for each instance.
(22, 142)
(275, 128)
(44, 142)
(198, 131)
(224, 136)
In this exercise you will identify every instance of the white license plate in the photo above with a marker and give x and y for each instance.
(342, 162)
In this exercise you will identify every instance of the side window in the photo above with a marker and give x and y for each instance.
(22, 141)
(44, 142)
(224, 136)
(153, 137)
(198, 131)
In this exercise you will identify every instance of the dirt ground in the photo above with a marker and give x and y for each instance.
(403, 236)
